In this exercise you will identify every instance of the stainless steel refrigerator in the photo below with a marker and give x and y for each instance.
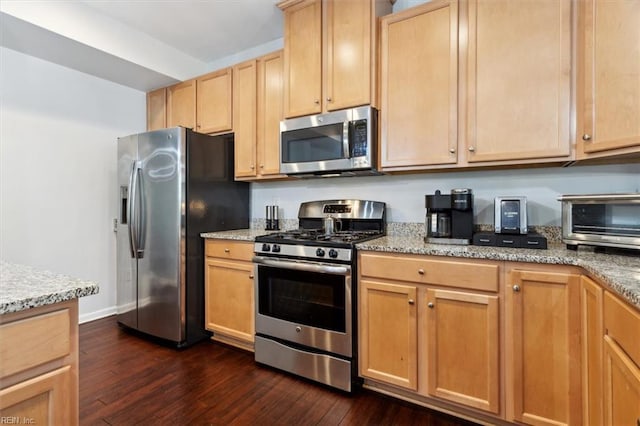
(173, 185)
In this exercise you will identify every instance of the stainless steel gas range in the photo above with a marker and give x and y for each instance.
(306, 290)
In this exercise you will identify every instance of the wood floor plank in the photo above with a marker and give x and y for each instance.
(127, 380)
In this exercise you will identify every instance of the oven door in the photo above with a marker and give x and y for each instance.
(305, 303)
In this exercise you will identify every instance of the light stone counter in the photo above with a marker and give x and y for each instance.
(620, 273)
(24, 287)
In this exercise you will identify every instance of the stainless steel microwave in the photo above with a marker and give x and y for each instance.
(609, 220)
(337, 143)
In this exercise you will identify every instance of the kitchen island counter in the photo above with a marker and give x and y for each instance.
(23, 287)
(620, 273)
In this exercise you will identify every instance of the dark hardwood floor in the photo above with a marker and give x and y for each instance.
(126, 380)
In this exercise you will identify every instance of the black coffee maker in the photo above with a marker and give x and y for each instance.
(449, 217)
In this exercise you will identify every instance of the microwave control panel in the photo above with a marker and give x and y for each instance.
(358, 138)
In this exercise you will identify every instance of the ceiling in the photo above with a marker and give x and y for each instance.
(142, 44)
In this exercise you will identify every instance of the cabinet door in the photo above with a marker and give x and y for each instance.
(43, 400)
(270, 112)
(419, 86)
(157, 109)
(518, 80)
(214, 102)
(388, 333)
(609, 76)
(592, 331)
(463, 348)
(621, 386)
(348, 46)
(181, 105)
(543, 341)
(229, 299)
(303, 58)
(244, 117)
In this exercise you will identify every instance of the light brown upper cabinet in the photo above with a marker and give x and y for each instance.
(157, 109)
(214, 111)
(475, 83)
(608, 106)
(257, 111)
(518, 94)
(181, 104)
(419, 86)
(329, 54)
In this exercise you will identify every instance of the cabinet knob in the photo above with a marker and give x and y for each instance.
(298, 329)
(472, 149)
(452, 150)
(421, 271)
(586, 137)
(329, 99)
(516, 288)
(262, 166)
(411, 301)
(251, 276)
(317, 102)
(253, 167)
(430, 305)
(227, 250)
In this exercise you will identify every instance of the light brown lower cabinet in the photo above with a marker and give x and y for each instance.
(229, 292)
(421, 330)
(621, 363)
(543, 347)
(463, 342)
(39, 365)
(388, 333)
(591, 295)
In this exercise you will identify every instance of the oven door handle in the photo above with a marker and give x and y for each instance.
(303, 266)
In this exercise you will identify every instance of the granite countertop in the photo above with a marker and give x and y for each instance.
(24, 287)
(620, 273)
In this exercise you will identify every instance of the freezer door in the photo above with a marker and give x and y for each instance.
(126, 275)
(160, 243)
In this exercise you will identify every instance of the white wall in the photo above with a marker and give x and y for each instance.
(404, 194)
(58, 130)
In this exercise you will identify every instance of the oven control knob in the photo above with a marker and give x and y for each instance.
(266, 247)
(275, 248)
(320, 252)
(333, 253)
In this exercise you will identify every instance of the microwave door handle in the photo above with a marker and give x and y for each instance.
(346, 127)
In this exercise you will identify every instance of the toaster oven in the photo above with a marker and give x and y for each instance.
(608, 220)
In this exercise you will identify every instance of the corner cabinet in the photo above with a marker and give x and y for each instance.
(621, 363)
(157, 109)
(543, 346)
(39, 365)
(608, 104)
(257, 111)
(329, 54)
(229, 292)
(431, 326)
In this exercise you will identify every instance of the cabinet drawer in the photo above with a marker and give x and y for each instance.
(34, 341)
(229, 249)
(477, 275)
(622, 324)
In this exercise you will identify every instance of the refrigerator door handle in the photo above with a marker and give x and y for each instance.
(141, 212)
(131, 210)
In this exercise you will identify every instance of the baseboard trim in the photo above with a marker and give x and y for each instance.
(92, 316)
